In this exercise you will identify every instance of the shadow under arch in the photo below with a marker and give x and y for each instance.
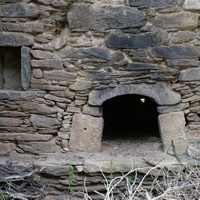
(130, 116)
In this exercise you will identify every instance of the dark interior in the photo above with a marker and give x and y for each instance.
(128, 116)
(10, 68)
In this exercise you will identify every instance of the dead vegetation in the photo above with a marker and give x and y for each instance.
(175, 181)
(19, 183)
(161, 182)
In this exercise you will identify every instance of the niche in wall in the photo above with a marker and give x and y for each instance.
(15, 68)
(10, 68)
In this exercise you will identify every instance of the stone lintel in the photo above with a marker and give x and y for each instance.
(16, 39)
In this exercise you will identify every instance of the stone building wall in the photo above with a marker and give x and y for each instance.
(75, 55)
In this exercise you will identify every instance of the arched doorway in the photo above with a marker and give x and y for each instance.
(87, 127)
(130, 116)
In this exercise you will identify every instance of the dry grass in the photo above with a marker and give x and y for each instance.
(166, 182)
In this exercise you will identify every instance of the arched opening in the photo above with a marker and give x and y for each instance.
(130, 116)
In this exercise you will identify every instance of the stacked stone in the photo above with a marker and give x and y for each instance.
(30, 120)
(80, 47)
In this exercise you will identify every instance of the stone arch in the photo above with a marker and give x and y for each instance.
(171, 125)
(161, 93)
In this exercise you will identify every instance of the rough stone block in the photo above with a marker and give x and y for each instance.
(81, 84)
(8, 1)
(20, 10)
(16, 39)
(59, 75)
(12, 113)
(34, 107)
(152, 3)
(183, 62)
(177, 51)
(1, 68)
(61, 40)
(43, 121)
(7, 121)
(92, 110)
(86, 133)
(37, 73)
(48, 87)
(174, 108)
(129, 41)
(42, 54)
(40, 147)
(25, 67)
(54, 169)
(97, 17)
(1, 15)
(172, 127)
(140, 66)
(181, 37)
(28, 27)
(191, 74)
(66, 94)
(24, 137)
(181, 20)
(94, 52)
(192, 5)
(21, 95)
(52, 64)
(6, 148)
(57, 99)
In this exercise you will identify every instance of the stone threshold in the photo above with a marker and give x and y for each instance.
(90, 163)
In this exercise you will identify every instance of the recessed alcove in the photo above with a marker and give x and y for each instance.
(130, 116)
(10, 68)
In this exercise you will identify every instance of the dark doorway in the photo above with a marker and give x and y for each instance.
(128, 116)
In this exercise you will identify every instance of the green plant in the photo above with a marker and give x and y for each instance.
(71, 177)
(3, 195)
(111, 176)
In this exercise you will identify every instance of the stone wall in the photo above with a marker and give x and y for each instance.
(77, 54)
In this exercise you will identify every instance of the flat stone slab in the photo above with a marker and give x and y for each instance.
(81, 84)
(181, 20)
(160, 92)
(126, 164)
(129, 41)
(192, 5)
(24, 137)
(43, 121)
(6, 148)
(152, 3)
(98, 17)
(86, 133)
(177, 51)
(172, 127)
(38, 147)
(16, 39)
(190, 74)
(20, 10)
